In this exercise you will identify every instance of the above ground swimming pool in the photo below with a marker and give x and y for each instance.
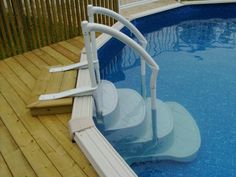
(195, 47)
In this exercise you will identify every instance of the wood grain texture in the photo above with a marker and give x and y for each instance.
(38, 146)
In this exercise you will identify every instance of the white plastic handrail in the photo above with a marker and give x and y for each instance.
(87, 28)
(141, 39)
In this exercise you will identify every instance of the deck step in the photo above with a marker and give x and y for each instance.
(52, 83)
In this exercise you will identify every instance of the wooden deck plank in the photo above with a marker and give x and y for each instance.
(46, 57)
(69, 80)
(45, 140)
(4, 170)
(76, 42)
(54, 83)
(70, 47)
(67, 53)
(37, 61)
(25, 141)
(57, 55)
(30, 67)
(21, 72)
(61, 133)
(13, 156)
(40, 86)
(64, 118)
(15, 82)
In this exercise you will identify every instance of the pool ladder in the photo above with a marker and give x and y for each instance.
(140, 128)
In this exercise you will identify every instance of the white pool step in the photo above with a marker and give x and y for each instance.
(130, 111)
(131, 121)
(107, 95)
(183, 144)
(164, 122)
(127, 121)
(128, 125)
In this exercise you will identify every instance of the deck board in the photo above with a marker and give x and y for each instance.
(21, 72)
(13, 155)
(4, 170)
(37, 146)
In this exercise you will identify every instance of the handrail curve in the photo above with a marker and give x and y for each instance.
(94, 27)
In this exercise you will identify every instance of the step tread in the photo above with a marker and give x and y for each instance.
(107, 95)
(130, 111)
(164, 122)
(182, 146)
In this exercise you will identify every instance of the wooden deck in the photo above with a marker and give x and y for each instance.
(36, 146)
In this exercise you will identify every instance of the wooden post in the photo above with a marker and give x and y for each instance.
(2, 51)
(14, 26)
(78, 16)
(4, 36)
(55, 21)
(68, 10)
(60, 20)
(74, 26)
(40, 22)
(46, 23)
(65, 18)
(8, 29)
(32, 37)
(19, 23)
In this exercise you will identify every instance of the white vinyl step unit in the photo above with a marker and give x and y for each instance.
(130, 111)
(106, 94)
(181, 146)
(131, 120)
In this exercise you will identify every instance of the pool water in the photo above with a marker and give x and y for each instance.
(195, 47)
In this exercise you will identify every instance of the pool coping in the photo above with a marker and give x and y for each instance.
(103, 157)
